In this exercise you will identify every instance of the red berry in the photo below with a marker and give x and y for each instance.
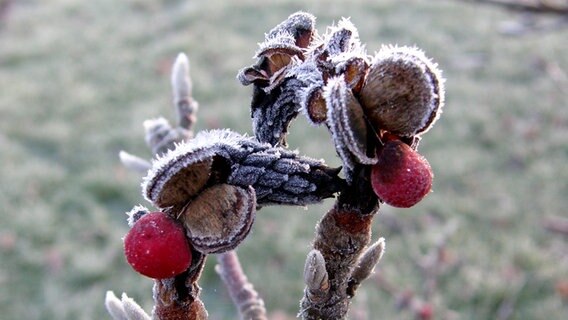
(157, 247)
(401, 177)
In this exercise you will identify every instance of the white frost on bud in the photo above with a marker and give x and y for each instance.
(133, 162)
(315, 274)
(181, 83)
(132, 309)
(125, 309)
(368, 261)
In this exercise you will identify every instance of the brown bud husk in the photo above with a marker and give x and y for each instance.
(220, 218)
(403, 92)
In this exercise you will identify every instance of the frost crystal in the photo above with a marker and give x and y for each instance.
(242, 161)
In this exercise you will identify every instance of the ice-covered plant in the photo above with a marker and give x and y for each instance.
(211, 184)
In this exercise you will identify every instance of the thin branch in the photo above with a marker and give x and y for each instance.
(178, 298)
(133, 162)
(342, 236)
(557, 225)
(174, 298)
(540, 7)
(245, 298)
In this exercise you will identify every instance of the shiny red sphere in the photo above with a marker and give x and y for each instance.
(157, 247)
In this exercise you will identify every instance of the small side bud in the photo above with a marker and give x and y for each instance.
(185, 106)
(160, 136)
(133, 310)
(315, 276)
(181, 83)
(366, 264)
(133, 162)
(114, 306)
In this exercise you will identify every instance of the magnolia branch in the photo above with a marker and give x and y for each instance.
(539, 6)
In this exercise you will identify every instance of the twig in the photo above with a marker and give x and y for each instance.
(556, 224)
(134, 163)
(178, 298)
(530, 11)
(540, 7)
(161, 137)
(175, 298)
(245, 298)
(341, 237)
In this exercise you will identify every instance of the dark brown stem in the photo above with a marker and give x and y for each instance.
(178, 298)
(245, 298)
(341, 237)
(540, 7)
(169, 305)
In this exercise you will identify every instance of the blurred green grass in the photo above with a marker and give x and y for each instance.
(78, 78)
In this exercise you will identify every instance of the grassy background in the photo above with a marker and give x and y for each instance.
(78, 78)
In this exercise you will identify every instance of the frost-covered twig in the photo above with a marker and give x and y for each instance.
(556, 224)
(541, 7)
(245, 298)
(342, 236)
(278, 175)
(207, 189)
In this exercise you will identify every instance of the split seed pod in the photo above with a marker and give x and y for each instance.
(347, 123)
(354, 70)
(315, 107)
(214, 182)
(279, 176)
(220, 218)
(403, 92)
(275, 104)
